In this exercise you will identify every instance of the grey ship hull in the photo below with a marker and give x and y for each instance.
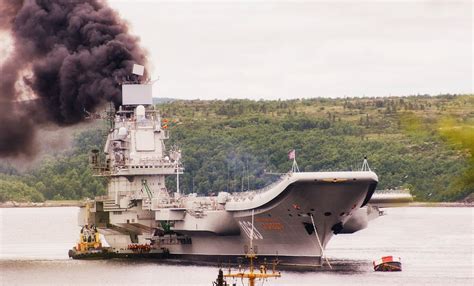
(282, 220)
(284, 225)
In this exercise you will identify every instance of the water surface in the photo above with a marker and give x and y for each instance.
(435, 244)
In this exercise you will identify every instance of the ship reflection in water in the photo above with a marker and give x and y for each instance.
(434, 243)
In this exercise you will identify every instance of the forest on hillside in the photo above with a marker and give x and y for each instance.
(423, 143)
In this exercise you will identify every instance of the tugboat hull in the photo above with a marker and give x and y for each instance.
(388, 264)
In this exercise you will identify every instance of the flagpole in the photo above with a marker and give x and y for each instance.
(294, 161)
(292, 155)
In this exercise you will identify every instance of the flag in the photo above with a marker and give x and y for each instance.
(292, 154)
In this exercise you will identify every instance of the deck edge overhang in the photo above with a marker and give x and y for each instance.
(263, 199)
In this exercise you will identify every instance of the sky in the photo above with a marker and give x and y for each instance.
(285, 50)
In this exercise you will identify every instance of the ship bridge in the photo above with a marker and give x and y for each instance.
(135, 142)
(134, 158)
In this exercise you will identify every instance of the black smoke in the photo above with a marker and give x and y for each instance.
(75, 53)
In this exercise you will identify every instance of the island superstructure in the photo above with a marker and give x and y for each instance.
(139, 216)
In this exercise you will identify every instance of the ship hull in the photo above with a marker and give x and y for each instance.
(282, 225)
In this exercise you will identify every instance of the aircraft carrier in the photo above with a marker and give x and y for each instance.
(294, 217)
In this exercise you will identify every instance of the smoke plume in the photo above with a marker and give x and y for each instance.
(70, 55)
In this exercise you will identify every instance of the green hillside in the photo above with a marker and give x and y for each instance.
(423, 143)
(221, 140)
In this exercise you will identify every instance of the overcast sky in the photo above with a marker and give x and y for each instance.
(271, 50)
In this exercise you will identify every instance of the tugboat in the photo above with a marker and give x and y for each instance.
(93, 245)
(90, 245)
(388, 264)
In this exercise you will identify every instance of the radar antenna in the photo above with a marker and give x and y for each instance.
(365, 165)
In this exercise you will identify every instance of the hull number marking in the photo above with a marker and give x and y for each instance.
(272, 226)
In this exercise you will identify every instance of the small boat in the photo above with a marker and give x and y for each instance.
(90, 245)
(388, 263)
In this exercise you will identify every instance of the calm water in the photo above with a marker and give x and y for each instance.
(435, 244)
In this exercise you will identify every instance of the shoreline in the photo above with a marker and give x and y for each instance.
(442, 204)
(45, 204)
(77, 203)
